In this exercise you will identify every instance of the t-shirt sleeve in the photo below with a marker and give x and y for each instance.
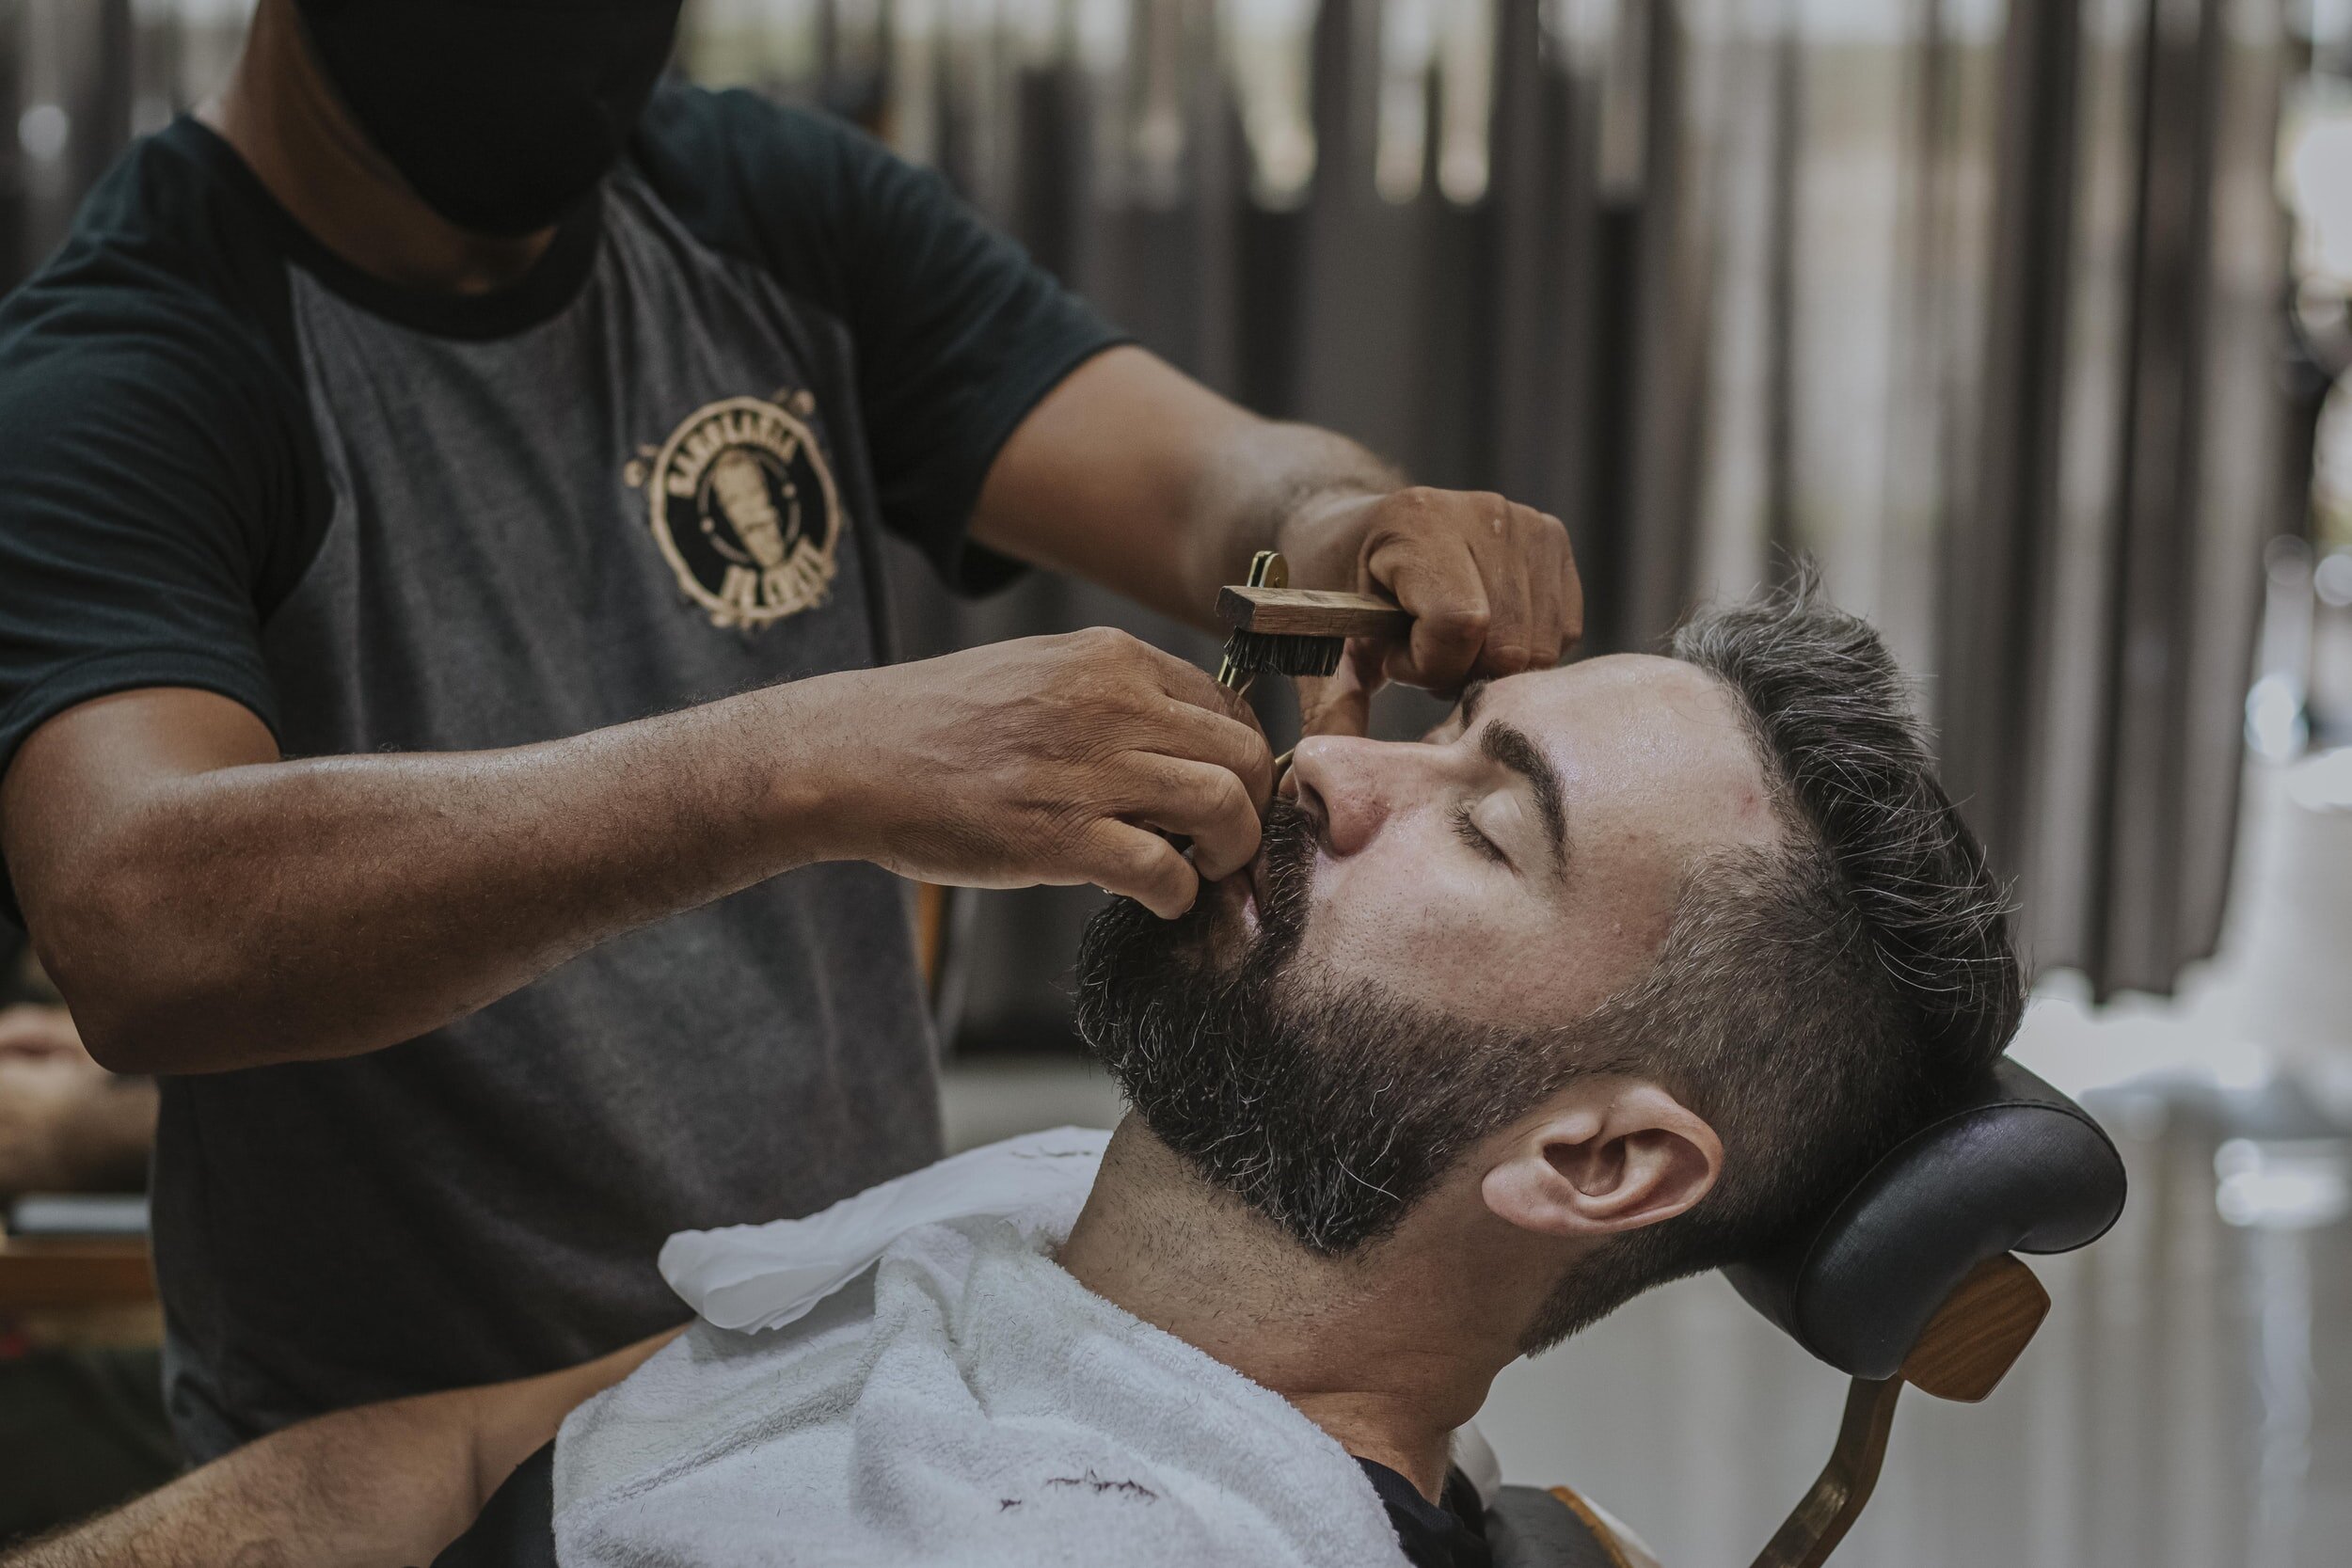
(149, 479)
(957, 333)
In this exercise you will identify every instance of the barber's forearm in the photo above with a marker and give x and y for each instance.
(1134, 476)
(290, 910)
(511, 1421)
(1264, 484)
(385, 1486)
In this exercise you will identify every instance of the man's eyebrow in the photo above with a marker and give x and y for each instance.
(1472, 695)
(1508, 746)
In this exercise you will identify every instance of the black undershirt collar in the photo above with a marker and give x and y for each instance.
(1450, 1533)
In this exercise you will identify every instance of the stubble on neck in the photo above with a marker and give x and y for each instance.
(1388, 1352)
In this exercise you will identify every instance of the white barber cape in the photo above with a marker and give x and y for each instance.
(909, 1378)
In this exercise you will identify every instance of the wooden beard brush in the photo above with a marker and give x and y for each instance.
(1293, 631)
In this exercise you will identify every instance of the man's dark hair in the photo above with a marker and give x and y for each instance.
(1815, 1001)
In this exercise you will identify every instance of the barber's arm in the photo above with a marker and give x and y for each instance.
(1136, 477)
(203, 905)
(381, 1486)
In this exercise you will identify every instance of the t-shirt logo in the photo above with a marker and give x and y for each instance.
(744, 509)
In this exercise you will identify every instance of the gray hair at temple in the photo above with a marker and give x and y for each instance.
(1817, 1000)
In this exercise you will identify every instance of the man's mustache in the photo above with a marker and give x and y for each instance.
(1285, 871)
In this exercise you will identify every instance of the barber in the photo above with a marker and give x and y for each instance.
(438, 606)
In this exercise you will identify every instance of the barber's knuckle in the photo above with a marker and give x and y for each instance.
(1510, 657)
(1106, 650)
(1104, 853)
(1228, 797)
(1089, 791)
(1191, 793)
(1258, 776)
(1076, 790)
(1073, 684)
(1459, 624)
(1418, 506)
(1145, 862)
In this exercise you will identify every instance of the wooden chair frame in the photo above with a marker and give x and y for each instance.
(1970, 1344)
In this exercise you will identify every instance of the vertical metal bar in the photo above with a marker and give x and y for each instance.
(1822, 1519)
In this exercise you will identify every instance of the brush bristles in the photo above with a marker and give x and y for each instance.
(1254, 652)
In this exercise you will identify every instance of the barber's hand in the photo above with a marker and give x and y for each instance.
(1053, 759)
(31, 1030)
(66, 1123)
(37, 1096)
(1491, 587)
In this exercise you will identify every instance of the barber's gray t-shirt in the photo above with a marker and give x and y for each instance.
(648, 474)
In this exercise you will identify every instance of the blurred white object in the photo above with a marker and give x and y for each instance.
(1408, 45)
(2293, 988)
(2332, 579)
(1465, 80)
(1269, 54)
(43, 131)
(2277, 723)
(2276, 726)
(78, 1214)
(2316, 173)
(2322, 783)
(2293, 1184)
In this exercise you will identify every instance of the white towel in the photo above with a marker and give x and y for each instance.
(760, 1276)
(962, 1401)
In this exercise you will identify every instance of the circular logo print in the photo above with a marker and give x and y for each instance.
(744, 510)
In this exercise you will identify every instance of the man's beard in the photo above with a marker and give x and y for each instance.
(1330, 1111)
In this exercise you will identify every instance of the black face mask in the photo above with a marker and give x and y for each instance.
(501, 114)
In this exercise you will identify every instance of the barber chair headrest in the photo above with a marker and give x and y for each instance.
(2012, 1166)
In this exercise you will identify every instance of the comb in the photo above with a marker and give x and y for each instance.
(1293, 631)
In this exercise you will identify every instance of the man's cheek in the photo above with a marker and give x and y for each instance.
(1363, 936)
(1442, 951)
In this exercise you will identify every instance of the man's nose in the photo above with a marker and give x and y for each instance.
(1352, 784)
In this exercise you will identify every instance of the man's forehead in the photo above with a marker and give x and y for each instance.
(1637, 720)
(1635, 687)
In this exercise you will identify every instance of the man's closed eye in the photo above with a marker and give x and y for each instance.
(1466, 827)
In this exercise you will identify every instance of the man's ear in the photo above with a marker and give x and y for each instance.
(1607, 1155)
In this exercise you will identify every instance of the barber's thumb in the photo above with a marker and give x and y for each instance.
(1341, 704)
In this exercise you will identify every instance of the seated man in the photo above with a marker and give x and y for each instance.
(1620, 971)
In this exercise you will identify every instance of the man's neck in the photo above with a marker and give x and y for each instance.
(1387, 1353)
(285, 121)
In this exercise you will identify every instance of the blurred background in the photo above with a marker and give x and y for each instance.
(2027, 320)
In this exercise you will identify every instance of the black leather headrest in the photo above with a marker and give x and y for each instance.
(2012, 1166)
